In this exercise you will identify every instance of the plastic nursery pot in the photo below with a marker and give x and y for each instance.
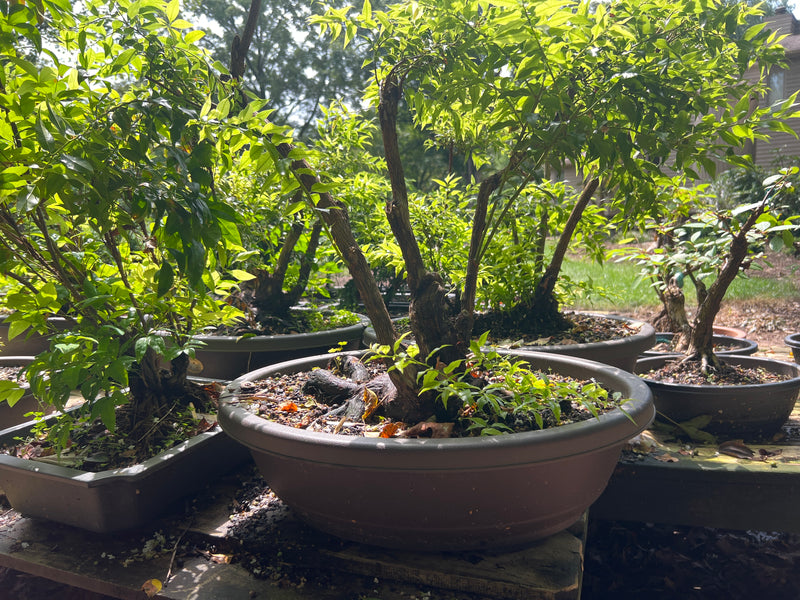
(793, 341)
(729, 331)
(492, 492)
(753, 411)
(731, 345)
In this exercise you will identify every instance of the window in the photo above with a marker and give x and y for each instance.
(777, 86)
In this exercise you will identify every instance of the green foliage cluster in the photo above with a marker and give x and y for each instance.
(501, 394)
(697, 237)
(113, 138)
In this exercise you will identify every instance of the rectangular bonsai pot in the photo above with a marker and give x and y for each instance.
(117, 499)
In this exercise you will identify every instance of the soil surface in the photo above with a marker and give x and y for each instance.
(634, 560)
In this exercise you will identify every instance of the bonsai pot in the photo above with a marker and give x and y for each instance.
(228, 357)
(736, 410)
(729, 331)
(620, 352)
(492, 492)
(793, 341)
(14, 415)
(116, 499)
(29, 344)
(732, 345)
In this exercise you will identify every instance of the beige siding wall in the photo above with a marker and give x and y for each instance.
(782, 146)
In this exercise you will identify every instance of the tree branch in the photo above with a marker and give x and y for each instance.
(397, 208)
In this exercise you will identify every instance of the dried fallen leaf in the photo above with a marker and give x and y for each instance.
(736, 448)
(643, 443)
(371, 403)
(151, 587)
(391, 429)
(221, 559)
(204, 425)
(288, 407)
(764, 452)
(667, 458)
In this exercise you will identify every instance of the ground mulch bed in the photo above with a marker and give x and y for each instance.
(633, 560)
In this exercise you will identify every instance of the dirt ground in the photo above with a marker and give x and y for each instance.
(638, 560)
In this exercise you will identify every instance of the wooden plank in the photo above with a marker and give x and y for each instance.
(548, 570)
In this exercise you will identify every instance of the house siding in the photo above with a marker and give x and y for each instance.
(782, 147)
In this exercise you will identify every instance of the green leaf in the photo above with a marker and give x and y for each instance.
(166, 277)
(118, 372)
(77, 164)
(242, 275)
(106, 408)
(10, 392)
(194, 36)
(173, 8)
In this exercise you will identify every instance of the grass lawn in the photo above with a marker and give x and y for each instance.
(618, 285)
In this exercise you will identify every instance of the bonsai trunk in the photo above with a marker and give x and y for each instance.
(673, 316)
(270, 299)
(433, 315)
(155, 393)
(701, 345)
(540, 313)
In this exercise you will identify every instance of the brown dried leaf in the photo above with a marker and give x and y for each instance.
(765, 453)
(371, 403)
(221, 559)
(204, 425)
(151, 587)
(736, 448)
(667, 458)
(391, 429)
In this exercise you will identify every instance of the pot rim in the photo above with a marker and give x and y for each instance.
(735, 359)
(609, 428)
(792, 340)
(740, 345)
(316, 337)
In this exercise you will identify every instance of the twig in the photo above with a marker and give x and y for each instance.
(174, 553)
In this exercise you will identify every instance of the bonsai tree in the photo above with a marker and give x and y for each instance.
(710, 248)
(619, 93)
(115, 134)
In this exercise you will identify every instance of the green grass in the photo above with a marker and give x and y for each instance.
(618, 287)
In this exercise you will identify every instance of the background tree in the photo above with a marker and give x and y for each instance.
(287, 62)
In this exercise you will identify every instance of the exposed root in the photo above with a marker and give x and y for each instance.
(709, 362)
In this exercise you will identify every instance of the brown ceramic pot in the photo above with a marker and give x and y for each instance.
(444, 494)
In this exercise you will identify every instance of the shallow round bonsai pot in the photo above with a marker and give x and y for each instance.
(793, 341)
(620, 352)
(755, 411)
(227, 357)
(492, 492)
(732, 345)
(729, 331)
(14, 415)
